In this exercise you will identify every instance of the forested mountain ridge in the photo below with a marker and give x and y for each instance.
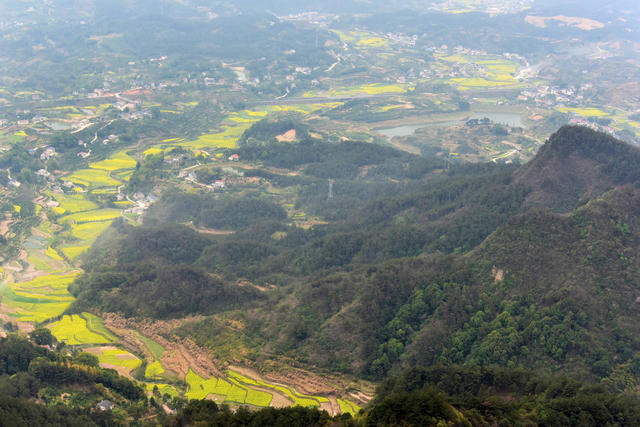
(453, 269)
(575, 165)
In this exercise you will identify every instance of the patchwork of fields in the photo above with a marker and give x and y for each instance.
(73, 221)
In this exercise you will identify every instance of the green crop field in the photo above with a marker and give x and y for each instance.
(117, 357)
(155, 150)
(89, 231)
(258, 398)
(73, 252)
(297, 398)
(198, 387)
(156, 349)
(237, 394)
(584, 112)
(74, 331)
(93, 178)
(105, 191)
(95, 324)
(118, 161)
(92, 216)
(225, 139)
(348, 407)
(52, 253)
(73, 203)
(40, 260)
(231, 390)
(367, 89)
(154, 370)
(39, 299)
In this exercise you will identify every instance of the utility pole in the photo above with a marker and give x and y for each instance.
(331, 181)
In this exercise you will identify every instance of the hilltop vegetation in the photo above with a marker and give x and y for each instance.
(69, 386)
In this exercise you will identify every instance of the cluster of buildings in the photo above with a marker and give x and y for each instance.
(593, 125)
(549, 96)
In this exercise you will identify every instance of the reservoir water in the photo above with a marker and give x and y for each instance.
(509, 119)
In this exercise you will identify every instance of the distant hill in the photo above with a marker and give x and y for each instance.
(575, 165)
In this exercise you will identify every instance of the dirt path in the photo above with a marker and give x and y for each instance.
(505, 155)
(39, 233)
(214, 231)
(334, 406)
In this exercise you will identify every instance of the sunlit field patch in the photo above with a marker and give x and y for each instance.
(119, 160)
(73, 203)
(154, 370)
(373, 42)
(73, 330)
(73, 252)
(296, 398)
(584, 112)
(93, 178)
(157, 150)
(95, 324)
(92, 216)
(39, 299)
(117, 357)
(89, 231)
(52, 253)
(348, 407)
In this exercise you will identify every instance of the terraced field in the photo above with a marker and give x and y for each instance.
(72, 203)
(97, 215)
(90, 178)
(39, 299)
(118, 161)
(489, 72)
(365, 89)
(73, 223)
(73, 252)
(121, 360)
(348, 407)
(154, 371)
(89, 231)
(74, 330)
(584, 112)
(296, 398)
(228, 390)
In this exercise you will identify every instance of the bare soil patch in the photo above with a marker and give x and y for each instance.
(121, 369)
(180, 353)
(574, 21)
(288, 136)
(4, 226)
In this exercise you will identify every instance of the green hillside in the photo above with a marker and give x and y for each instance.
(452, 270)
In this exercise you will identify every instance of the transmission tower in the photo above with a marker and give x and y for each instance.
(331, 181)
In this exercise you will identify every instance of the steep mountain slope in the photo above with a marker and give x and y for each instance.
(545, 290)
(452, 269)
(575, 165)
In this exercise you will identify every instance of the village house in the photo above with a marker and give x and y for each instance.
(48, 153)
(105, 405)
